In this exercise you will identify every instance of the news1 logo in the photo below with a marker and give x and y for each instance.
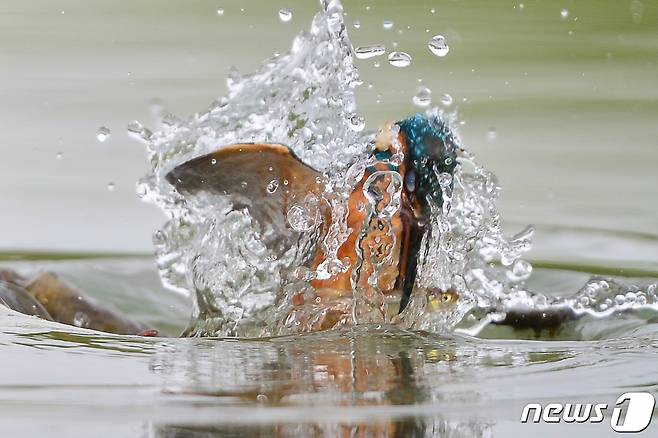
(633, 412)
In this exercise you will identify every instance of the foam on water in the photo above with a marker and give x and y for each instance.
(243, 276)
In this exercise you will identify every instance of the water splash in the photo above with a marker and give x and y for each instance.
(253, 277)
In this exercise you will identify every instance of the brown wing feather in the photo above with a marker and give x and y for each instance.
(244, 171)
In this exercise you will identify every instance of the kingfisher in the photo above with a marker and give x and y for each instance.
(409, 169)
(388, 214)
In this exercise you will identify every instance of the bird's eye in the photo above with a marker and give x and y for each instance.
(410, 181)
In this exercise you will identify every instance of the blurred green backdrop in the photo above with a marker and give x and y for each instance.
(562, 106)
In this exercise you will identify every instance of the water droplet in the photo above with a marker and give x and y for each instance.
(135, 126)
(80, 319)
(446, 100)
(285, 15)
(142, 190)
(213, 161)
(220, 12)
(491, 134)
(520, 271)
(423, 97)
(111, 186)
(169, 119)
(388, 24)
(399, 59)
(261, 398)
(521, 6)
(438, 46)
(272, 186)
(103, 133)
(357, 24)
(138, 131)
(637, 11)
(376, 64)
(59, 156)
(433, 11)
(365, 52)
(564, 13)
(357, 123)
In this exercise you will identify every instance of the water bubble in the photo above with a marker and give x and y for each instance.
(438, 46)
(423, 97)
(59, 156)
(388, 24)
(564, 13)
(357, 123)
(399, 59)
(103, 133)
(285, 15)
(272, 186)
(357, 24)
(446, 100)
(365, 52)
(491, 134)
(220, 12)
(304, 216)
(445, 179)
(111, 186)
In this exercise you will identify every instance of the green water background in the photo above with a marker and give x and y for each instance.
(573, 102)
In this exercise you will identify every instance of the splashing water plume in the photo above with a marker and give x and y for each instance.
(251, 273)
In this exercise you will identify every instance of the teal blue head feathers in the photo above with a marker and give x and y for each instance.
(431, 151)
